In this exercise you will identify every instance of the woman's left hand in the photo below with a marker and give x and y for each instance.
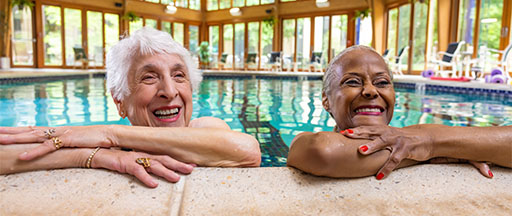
(404, 143)
(53, 138)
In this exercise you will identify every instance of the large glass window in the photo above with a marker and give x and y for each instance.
(467, 13)
(252, 2)
(213, 34)
(194, 4)
(181, 3)
(52, 35)
(212, 5)
(178, 32)
(167, 27)
(404, 17)
(193, 38)
(135, 25)
(73, 33)
(364, 31)
(339, 34)
(151, 23)
(392, 33)
(254, 35)
(238, 3)
(95, 37)
(322, 38)
(111, 30)
(22, 45)
(228, 46)
(420, 35)
(267, 34)
(225, 4)
(490, 28)
(303, 47)
(288, 42)
(239, 45)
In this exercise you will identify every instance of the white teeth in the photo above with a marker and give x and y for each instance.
(173, 111)
(368, 110)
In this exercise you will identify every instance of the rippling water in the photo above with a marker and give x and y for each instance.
(272, 110)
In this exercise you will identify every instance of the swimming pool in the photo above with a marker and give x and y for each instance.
(273, 110)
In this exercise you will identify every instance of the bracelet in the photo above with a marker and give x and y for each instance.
(89, 160)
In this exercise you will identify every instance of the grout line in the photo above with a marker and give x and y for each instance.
(177, 196)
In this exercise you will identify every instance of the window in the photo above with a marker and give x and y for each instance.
(151, 23)
(95, 37)
(404, 14)
(193, 38)
(288, 42)
(73, 33)
(322, 38)
(52, 35)
(392, 31)
(490, 28)
(22, 48)
(135, 25)
(239, 45)
(167, 27)
(267, 35)
(111, 30)
(228, 45)
(338, 34)
(213, 34)
(467, 13)
(254, 35)
(364, 31)
(303, 47)
(178, 33)
(420, 35)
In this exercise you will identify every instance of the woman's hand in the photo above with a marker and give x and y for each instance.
(125, 162)
(65, 136)
(404, 143)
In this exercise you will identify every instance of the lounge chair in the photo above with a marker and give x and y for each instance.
(397, 66)
(223, 60)
(315, 62)
(448, 59)
(251, 60)
(81, 57)
(275, 61)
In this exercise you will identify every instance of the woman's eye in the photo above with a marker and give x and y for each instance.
(352, 82)
(382, 82)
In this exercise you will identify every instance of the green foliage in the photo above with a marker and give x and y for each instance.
(22, 4)
(269, 21)
(362, 13)
(130, 16)
(204, 52)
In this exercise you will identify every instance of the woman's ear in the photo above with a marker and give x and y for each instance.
(325, 102)
(119, 105)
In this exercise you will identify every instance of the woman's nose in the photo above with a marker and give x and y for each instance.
(369, 91)
(167, 89)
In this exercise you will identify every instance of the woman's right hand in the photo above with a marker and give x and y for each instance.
(124, 162)
(69, 136)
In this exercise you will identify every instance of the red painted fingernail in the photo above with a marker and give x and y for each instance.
(490, 174)
(343, 131)
(380, 176)
(350, 131)
(364, 148)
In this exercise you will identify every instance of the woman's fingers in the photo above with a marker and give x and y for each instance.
(373, 146)
(483, 168)
(160, 170)
(175, 165)
(365, 132)
(140, 173)
(23, 138)
(17, 130)
(38, 151)
(393, 161)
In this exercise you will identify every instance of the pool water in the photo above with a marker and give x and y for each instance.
(272, 110)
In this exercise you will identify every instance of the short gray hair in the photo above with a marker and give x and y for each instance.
(145, 41)
(331, 74)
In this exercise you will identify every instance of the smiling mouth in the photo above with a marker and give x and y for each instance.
(369, 111)
(167, 113)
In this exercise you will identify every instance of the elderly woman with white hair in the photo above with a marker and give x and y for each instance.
(151, 79)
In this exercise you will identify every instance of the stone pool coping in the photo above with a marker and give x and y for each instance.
(453, 189)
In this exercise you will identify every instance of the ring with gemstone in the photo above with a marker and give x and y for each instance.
(57, 142)
(48, 133)
(143, 162)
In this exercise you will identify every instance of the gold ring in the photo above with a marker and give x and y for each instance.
(143, 162)
(57, 142)
(48, 133)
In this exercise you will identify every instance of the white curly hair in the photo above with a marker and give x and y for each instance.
(145, 41)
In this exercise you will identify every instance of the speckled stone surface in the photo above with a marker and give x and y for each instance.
(84, 192)
(418, 190)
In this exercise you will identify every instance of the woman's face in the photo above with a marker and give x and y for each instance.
(161, 93)
(362, 93)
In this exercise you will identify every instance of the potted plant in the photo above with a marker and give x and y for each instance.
(204, 54)
(22, 3)
(130, 16)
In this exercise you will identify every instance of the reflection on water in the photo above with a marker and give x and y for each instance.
(272, 110)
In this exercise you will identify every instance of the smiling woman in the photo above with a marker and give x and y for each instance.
(359, 95)
(151, 78)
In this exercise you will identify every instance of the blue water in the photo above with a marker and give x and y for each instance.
(272, 110)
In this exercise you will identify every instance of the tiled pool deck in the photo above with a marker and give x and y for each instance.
(454, 189)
